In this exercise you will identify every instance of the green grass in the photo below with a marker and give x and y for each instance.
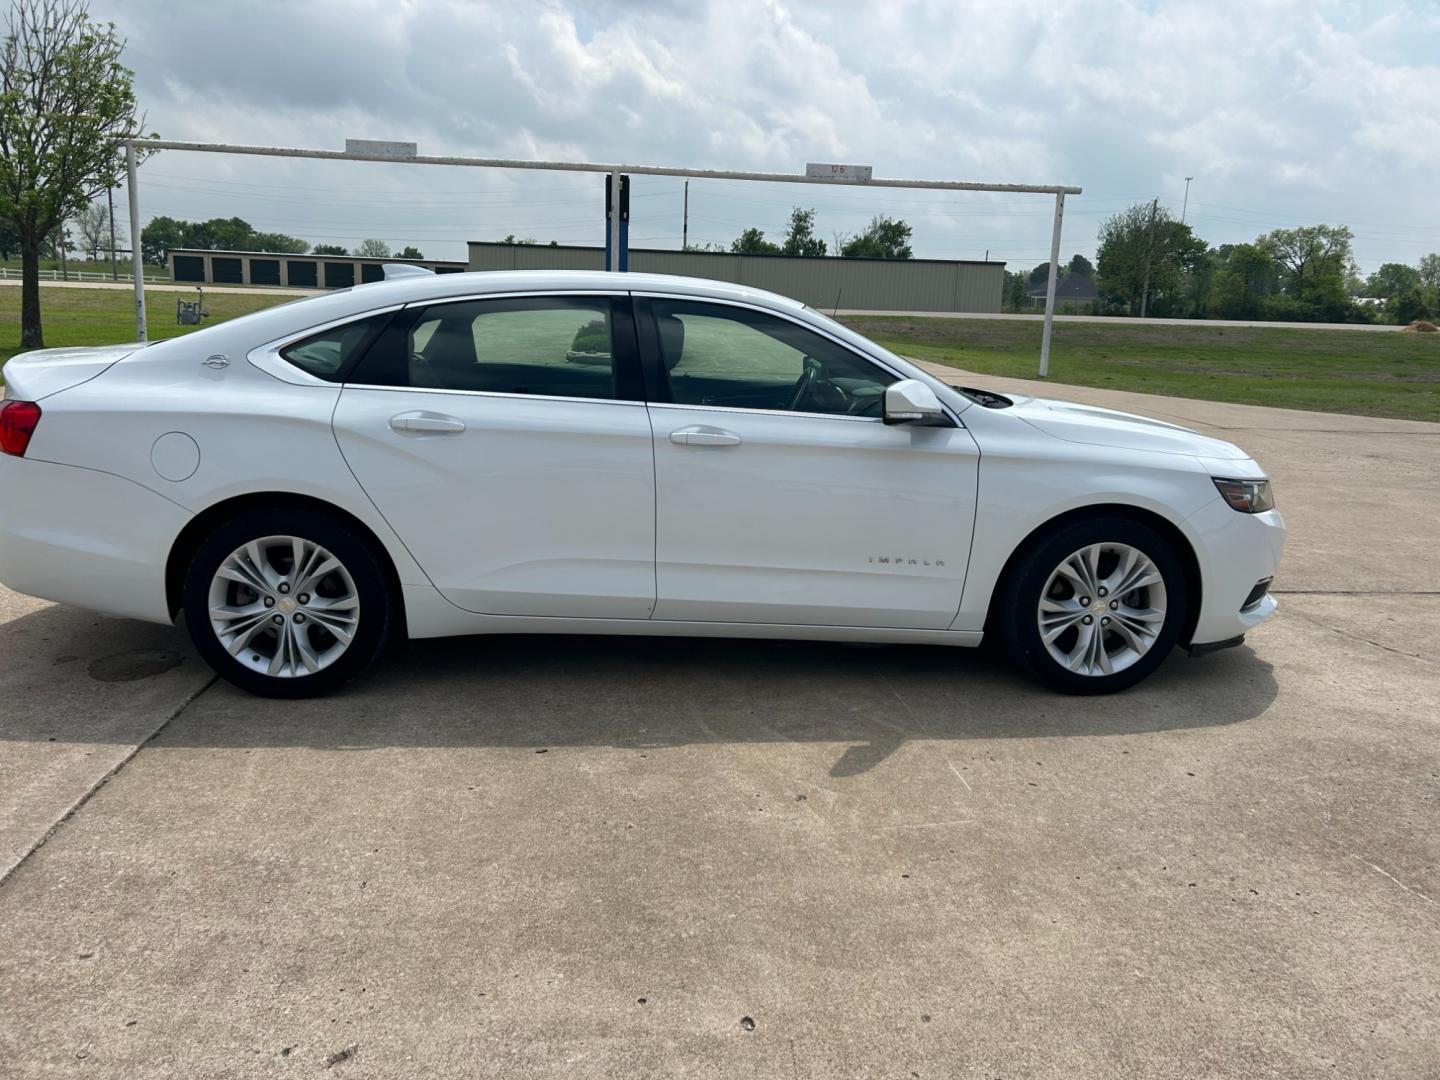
(107, 316)
(1387, 373)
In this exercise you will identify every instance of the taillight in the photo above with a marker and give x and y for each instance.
(18, 420)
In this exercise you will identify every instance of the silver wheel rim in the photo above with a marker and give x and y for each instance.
(1102, 609)
(284, 606)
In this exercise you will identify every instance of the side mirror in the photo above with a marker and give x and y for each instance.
(910, 401)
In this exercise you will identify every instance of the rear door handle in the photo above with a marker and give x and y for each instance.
(427, 423)
(704, 436)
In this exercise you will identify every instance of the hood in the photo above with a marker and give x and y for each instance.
(35, 375)
(1095, 426)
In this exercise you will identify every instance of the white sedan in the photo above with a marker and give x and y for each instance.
(570, 452)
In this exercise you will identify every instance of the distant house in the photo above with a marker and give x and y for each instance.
(1072, 292)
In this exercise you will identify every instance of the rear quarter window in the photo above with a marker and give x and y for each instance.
(332, 353)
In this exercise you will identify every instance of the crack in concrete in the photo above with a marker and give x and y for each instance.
(104, 779)
(1356, 592)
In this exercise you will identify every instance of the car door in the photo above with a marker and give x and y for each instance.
(505, 441)
(781, 494)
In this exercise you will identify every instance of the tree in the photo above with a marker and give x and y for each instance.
(1017, 291)
(1041, 274)
(93, 224)
(161, 236)
(278, 243)
(1413, 304)
(1310, 252)
(883, 238)
(373, 249)
(1244, 274)
(410, 251)
(67, 106)
(1392, 279)
(1430, 271)
(752, 242)
(801, 239)
(1142, 248)
(328, 249)
(511, 238)
(1082, 266)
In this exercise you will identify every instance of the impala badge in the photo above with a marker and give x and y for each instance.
(899, 561)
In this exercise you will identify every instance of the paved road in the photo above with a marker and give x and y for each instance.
(577, 857)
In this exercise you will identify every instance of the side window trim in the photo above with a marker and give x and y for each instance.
(657, 379)
(268, 359)
(624, 345)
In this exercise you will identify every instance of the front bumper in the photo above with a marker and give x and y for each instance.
(88, 538)
(1235, 551)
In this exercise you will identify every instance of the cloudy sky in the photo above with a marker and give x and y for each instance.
(1285, 113)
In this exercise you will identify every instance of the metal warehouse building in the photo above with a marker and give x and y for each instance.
(288, 271)
(827, 283)
(823, 283)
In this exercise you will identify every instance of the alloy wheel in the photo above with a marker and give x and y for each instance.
(284, 606)
(1102, 609)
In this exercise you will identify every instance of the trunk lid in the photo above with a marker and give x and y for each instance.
(35, 375)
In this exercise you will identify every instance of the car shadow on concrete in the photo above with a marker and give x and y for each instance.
(634, 692)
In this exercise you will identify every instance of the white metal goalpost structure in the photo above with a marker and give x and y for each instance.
(404, 153)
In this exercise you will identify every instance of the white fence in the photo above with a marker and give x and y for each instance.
(9, 273)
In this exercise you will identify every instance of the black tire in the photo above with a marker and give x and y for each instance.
(374, 618)
(1016, 614)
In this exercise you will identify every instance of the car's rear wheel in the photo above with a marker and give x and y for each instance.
(1094, 606)
(287, 602)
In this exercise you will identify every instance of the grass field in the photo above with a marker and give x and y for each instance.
(1350, 371)
(1376, 374)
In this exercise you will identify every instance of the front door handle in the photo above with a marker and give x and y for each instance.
(427, 423)
(704, 436)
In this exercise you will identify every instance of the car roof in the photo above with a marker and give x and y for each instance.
(439, 286)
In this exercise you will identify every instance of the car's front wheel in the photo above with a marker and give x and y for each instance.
(1095, 606)
(286, 602)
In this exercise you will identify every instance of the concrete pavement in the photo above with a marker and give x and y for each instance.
(565, 857)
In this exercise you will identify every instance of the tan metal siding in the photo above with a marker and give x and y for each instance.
(850, 284)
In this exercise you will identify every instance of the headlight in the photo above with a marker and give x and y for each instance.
(1247, 496)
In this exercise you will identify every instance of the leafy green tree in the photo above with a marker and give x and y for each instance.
(1041, 274)
(1415, 303)
(373, 249)
(161, 236)
(1082, 266)
(1310, 252)
(1430, 271)
(67, 106)
(409, 251)
(1144, 246)
(278, 243)
(752, 242)
(328, 249)
(1391, 280)
(883, 238)
(511, 238)
(1244, 274)
(1016, 295)
(801, 239)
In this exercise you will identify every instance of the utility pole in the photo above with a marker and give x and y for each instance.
(1149, 253)
(1186, 204)
(685, 227)
(114, 266)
